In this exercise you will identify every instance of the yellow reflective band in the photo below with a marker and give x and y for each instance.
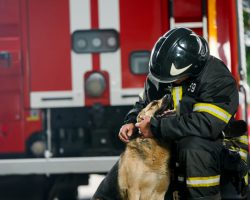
(246, 179)
(177, 96)
(243, 153)
(213, 110)
(242, 139)
(203, 181)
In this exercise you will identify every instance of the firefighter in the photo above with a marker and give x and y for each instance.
(205, 98)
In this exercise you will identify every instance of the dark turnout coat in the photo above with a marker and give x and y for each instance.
(204, 106)
(205, 103)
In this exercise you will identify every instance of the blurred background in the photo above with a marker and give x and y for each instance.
(246, 11)
(70, 70)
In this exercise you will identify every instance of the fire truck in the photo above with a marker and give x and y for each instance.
(71, 69)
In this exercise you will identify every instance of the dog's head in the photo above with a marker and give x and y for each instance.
(157, 108)
(166, 108)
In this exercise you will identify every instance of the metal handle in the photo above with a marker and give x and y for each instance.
(5, 59)
(243, 88)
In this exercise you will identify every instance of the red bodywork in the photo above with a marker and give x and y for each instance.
(37, 35)
(16, 124)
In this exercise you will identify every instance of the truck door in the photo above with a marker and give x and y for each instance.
(11, 134)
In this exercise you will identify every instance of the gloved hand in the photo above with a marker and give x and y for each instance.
(235, 128)
(236, 168)
(239, 183)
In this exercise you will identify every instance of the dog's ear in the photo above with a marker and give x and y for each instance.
(167, 102)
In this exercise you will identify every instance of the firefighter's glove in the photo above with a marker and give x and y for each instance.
(239, 183)
(235, 128)
(236, 168)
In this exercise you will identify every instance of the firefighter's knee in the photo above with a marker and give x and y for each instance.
(197, 165)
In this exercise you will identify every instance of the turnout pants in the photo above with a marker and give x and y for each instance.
(197, 171)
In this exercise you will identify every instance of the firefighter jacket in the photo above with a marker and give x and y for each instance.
(204, 104)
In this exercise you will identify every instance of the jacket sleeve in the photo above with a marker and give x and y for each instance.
(217, 102)
(132, 114)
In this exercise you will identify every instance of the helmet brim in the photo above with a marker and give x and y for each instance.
(154, 79)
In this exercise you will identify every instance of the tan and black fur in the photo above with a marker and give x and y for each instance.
(144, 166)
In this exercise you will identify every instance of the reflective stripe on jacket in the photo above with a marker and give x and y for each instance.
(205, 104)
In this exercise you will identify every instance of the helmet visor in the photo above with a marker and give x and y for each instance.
(157, 82)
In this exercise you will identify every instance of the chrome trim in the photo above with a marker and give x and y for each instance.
(57, 165)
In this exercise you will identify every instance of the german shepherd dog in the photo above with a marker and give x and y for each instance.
(144, 172)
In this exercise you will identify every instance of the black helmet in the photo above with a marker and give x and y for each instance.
(178, 53)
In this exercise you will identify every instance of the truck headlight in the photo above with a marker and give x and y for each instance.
(95, 84)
